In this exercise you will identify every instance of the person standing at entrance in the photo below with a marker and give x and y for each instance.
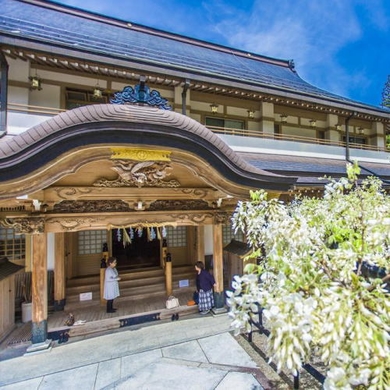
(204, 284)
(111, 285)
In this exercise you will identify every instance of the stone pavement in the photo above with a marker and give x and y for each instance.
(194, 353)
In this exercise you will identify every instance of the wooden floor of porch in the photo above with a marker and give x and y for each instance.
(129, 312)
(126, 308)
(143, 299)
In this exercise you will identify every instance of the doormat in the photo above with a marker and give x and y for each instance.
(139, 319)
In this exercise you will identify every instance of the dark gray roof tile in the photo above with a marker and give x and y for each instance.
(310, 166)
(238, 248)
(86, 32)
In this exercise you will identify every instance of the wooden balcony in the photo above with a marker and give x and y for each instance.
(44, 112)
(293, 138)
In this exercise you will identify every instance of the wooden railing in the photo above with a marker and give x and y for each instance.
(39, 110)
(293, 138)
(34, 110)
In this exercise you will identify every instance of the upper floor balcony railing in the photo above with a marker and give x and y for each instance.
(31, 110)
(21, 117)
(293, 138)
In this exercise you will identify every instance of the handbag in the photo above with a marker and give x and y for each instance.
(69, 320)
(195, 297)
(172, 302)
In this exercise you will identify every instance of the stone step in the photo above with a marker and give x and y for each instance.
(125, 275)
(134, 285)
(72, 292)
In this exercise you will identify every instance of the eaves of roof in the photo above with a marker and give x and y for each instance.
(312, 169)
(237, 248)
(100, 124)
(7, 268)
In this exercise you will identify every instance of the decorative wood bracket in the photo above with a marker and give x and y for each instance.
(141, 93)
(31, 225)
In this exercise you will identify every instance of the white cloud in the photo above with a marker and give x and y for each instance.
(309, 32)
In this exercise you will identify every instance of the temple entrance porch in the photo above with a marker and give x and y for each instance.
(136, 286)
(131, 311)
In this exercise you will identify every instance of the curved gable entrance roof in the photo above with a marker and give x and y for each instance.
(52, 149)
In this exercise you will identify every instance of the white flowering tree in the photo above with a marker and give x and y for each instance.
(322, 281)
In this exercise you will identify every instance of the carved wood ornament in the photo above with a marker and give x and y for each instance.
(31, 225)
(140, 168)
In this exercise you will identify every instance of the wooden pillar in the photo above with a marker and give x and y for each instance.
(103, 266)
(59, 271)
(168, 274)
(218, 256)
(218, 267)
(39, 290)
(199, 243)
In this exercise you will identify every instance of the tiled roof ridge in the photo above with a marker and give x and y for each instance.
(153, 31)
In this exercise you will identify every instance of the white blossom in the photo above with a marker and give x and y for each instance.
(310, 284)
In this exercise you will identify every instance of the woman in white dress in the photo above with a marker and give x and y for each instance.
(111, 285)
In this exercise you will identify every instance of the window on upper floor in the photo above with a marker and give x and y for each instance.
(224, 123)
(356, 140)
(77, 98)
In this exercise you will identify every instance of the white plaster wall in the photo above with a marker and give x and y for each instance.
(267, 127)
(310, 133)
(293, 120)
(253, 125)
(267, 109)
(196, 117)
(205, 106)
(237, 111)
(18, 70)
(73, 80)
(51, 97)
(208, 240)
(17, 95)
(50, 251)
(19, 122)
(178, 90)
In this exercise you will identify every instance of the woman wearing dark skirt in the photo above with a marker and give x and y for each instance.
(204, 284)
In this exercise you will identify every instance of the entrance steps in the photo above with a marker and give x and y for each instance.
(134, 285)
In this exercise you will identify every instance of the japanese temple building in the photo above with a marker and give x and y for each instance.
(120, 134)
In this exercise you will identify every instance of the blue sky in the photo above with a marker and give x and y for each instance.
(342, 46)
